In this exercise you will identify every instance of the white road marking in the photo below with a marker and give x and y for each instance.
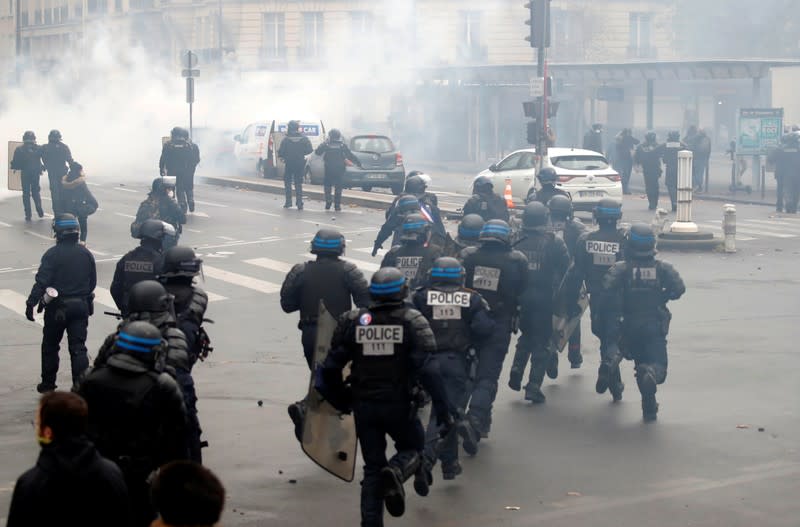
(122, 189)
(15, 302)
(48, 215)
(262, 213)
(249, 282)
(97, 253)
(125, 215)
(228, 238)
(777, 225)
(192, 230)
(368, 250)
(268, 263)
(213, 297)
(4, 224)
(103, 296)
(312, 222)
(210, 204)
(757, 232)
(91, 184)
(48, 238)
(199, 214)
(46, 198)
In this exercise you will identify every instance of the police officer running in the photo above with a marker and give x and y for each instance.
(484, 202)
(568, 228)
(406, 204)
(142, 263)
(64, 289)
(639, 289)
(161, 205)
(428, 207)
(293, 150)
(648, 156)
(670, 155)
(56, 158)
(467, 235)
(336, 282)
(499, 274)
(547, 179)
(547, 262)
(28, 160)
(391, 348)
(595, 253)
(136, 414)
(179, 159)
(460, 321)
(335, 154)
(415, 255)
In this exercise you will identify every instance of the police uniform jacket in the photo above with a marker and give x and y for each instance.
(28, 159)
(488, 206)
(142, 263)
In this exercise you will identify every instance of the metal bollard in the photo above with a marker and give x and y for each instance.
(683, 223)
(729, 227)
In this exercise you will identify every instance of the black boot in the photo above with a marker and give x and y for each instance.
(534, 394)
(423, 478)
(575, 356)
(394, 496)
(552, 365)
(451, 469)
(515, 379)
(469, 437)
(649, 408)
(603, 378)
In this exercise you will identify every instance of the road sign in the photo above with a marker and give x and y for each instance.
(537, 86)
(760, 129)
(190, 90)
(189, 59)
(190, 73)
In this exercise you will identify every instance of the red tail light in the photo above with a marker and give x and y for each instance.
(614, 177)
(348, 163)
(398, 159)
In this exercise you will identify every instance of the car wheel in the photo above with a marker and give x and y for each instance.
(366, 188)
(397, 189)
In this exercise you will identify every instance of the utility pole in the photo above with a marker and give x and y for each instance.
(18, 43)
(220, 32)
(539, 39)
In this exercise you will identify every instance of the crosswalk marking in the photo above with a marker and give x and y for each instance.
(213, 297)
(756, 231)
(262, 213)
(103, 296)
(125, 215)
(775, 224)
(121, 189)
(368, 250)
(361, 264)
(200, 214)
(42, 236)
(268, 263)
(249, 282)
(210, 204)
(16, 303)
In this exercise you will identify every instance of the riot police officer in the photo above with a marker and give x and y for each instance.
(406, 204)
(547, 179)
(648, 156)
(468, 234)
(293, 150)
(428, 207)
(548, 260)
(484, 202)
(787, 171)
(64, 288)
(56, 158)
(639, 288)
(670, 155)
(136, 414)
(499, 274)
(179, 158)
(460, 320)
(334, 154)
(336, 282)
(28, 160)
(415, 255)
(390, 347)
(566, 227)
(142, 263)
(161, 205)
(595, 253)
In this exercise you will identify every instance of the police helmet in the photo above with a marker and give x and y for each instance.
(407, 203)
(470, 227)
(547, 176)
(29, 137)
(163, 184)
(148, 296)
(415, 185)
(155, 230)
(181, 261)
(641, 243)
(328, 241)
(560, 207)
(608, 209)
(674, 136)
(447, 270)
(66, 225)
(335, 134)
(415, 227)
(388, 283)
(178, 133)
(140, 339)
(535, 216)
(482, 184)
(293, 126)
(496, 231)
(54, 136)
(650, 137)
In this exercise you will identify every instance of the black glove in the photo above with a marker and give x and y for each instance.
(446, 423)
(29, 312)
(375, 248)
(40, 307)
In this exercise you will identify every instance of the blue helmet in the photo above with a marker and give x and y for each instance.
(608, 209)
(328, 241)
(407, 203)
(641, 242)
(388, 283)
(140, 339)
(415, 227)
(66, 225)
(470, 227)
(447, 270)
(496, 231)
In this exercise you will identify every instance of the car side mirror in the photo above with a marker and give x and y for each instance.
(493, 168)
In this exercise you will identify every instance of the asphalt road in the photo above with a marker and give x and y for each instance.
(578, 460)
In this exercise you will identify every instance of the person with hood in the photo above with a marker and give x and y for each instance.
(335, 154)
(161, 205)
(593, 139)
(76, 198)
(56, 157)
(484, 202)
(69, 469)
(179, 158)
(293, 150)
(28, 159)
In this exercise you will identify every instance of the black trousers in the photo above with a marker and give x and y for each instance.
(184, 188)
(536, 327)
(625, 168)
(193, 430)
(671, 181)
(491, 355)
(455, 374)
(333, 182)
(293, 174)
(30, 189)
(55, 193)
(70, 316)
(792, 184)
(651, 188)
(779, 193)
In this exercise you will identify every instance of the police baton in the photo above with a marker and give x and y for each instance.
(118, 316)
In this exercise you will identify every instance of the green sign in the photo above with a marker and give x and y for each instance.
(760, 129)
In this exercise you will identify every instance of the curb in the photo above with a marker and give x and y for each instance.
(689, 245)
(714, 197)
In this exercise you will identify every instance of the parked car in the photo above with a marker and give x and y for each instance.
(586, 175)
(381, 165)
(256, 148)
(520, 168)
(272, 166)
(250, 146)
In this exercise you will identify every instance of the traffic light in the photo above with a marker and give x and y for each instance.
(533, 132)
(539, 23)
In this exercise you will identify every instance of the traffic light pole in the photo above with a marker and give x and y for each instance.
(541, 72)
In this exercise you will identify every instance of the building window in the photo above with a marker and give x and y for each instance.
(78, 11)
(274, 36)
(48, 12)
(23, 18)
(469, 41)
(64, 13)
(97, 6)
(361, 23)
(313, 34)
(118, 6)
(639, 39)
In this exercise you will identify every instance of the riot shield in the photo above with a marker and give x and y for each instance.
(329, 437)
(564, 325)
(14, 176)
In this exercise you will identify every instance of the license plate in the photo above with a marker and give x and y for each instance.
(591, 194)
(376, 176)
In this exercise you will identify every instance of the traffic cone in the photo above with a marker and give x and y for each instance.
(507, 194)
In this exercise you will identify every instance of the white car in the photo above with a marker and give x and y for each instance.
(520, 168)
(250, 146)
(586, 175)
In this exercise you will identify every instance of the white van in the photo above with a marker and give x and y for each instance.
(250, 147)
(314, 129)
